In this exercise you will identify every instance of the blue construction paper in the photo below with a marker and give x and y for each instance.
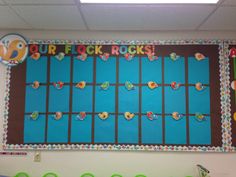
(59, 99)
(174, 70)
(151, 70)
(105, 99)
(83, 70)
(175, 131)
(106, 70)
(36, 70)
(198, 70)
(82, 99)
(60, 70)
(200, 132)
(175, 100)
(57, 129)
(81, 130)
(199, 101)
(152, 131)
(128, 100)
(34, 130)
(129, 70)
(104, 130)
(35, 99)
(128, 130)
(152, 100)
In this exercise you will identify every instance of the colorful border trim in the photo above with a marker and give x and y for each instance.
(6, 107)
(225, 103)
(228, 125)
(127, 42)
(225, 99)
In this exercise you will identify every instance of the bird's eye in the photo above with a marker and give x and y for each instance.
(20, 45)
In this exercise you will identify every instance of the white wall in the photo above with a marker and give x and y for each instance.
(103, 164)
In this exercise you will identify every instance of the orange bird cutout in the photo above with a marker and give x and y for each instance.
(15, 50)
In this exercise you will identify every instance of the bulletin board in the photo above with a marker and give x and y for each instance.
(121, 95)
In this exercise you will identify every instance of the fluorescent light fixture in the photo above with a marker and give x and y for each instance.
(150, 1)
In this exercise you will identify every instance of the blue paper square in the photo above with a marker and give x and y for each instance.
(175, 100)
(128, 130)
(128, 100)
(81, 130)
(57, 129)
(152, 100)
(59, 99)
(35, 99)
(82, 99)
(34, 130)
(152, 131)
(175, 131)
(36, 70)
(83, 70)
(199, 101)
(174, 70)
(200, 132)
(151, 70)
(60, 70)
(105, 99)
(129, 70)
(198, 70)
(104, 130)
(106, 70)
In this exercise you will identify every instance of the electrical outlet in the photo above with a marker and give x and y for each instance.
(37, 157)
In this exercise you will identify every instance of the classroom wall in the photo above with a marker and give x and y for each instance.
(103, 164)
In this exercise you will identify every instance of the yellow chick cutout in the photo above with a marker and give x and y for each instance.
(13, 49)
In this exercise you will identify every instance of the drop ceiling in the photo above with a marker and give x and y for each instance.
(71, 15)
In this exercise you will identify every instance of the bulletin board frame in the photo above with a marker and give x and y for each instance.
(225, 97)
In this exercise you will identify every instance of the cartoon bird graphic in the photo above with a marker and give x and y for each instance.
(199, 86)
(174, 56)
(82, 57)
(104, 56)
(58, 85)
(81, 116)
(199, 116)
(81, 85)
(13, 51)
(152, 57)
(199, 56)
(105, 85)
(34, 115)
(129, 116)
(103, 115)
(128, 56)
(129, 86)
(152, 85)
(58, 115)
(151, 115)
(176, 116)
(174, 85)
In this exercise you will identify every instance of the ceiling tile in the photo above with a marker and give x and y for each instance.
(141, 17)
(40, 1)
(9, 19)
(222, 19)
(52, 17)
(230, 2)
(1, 2)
